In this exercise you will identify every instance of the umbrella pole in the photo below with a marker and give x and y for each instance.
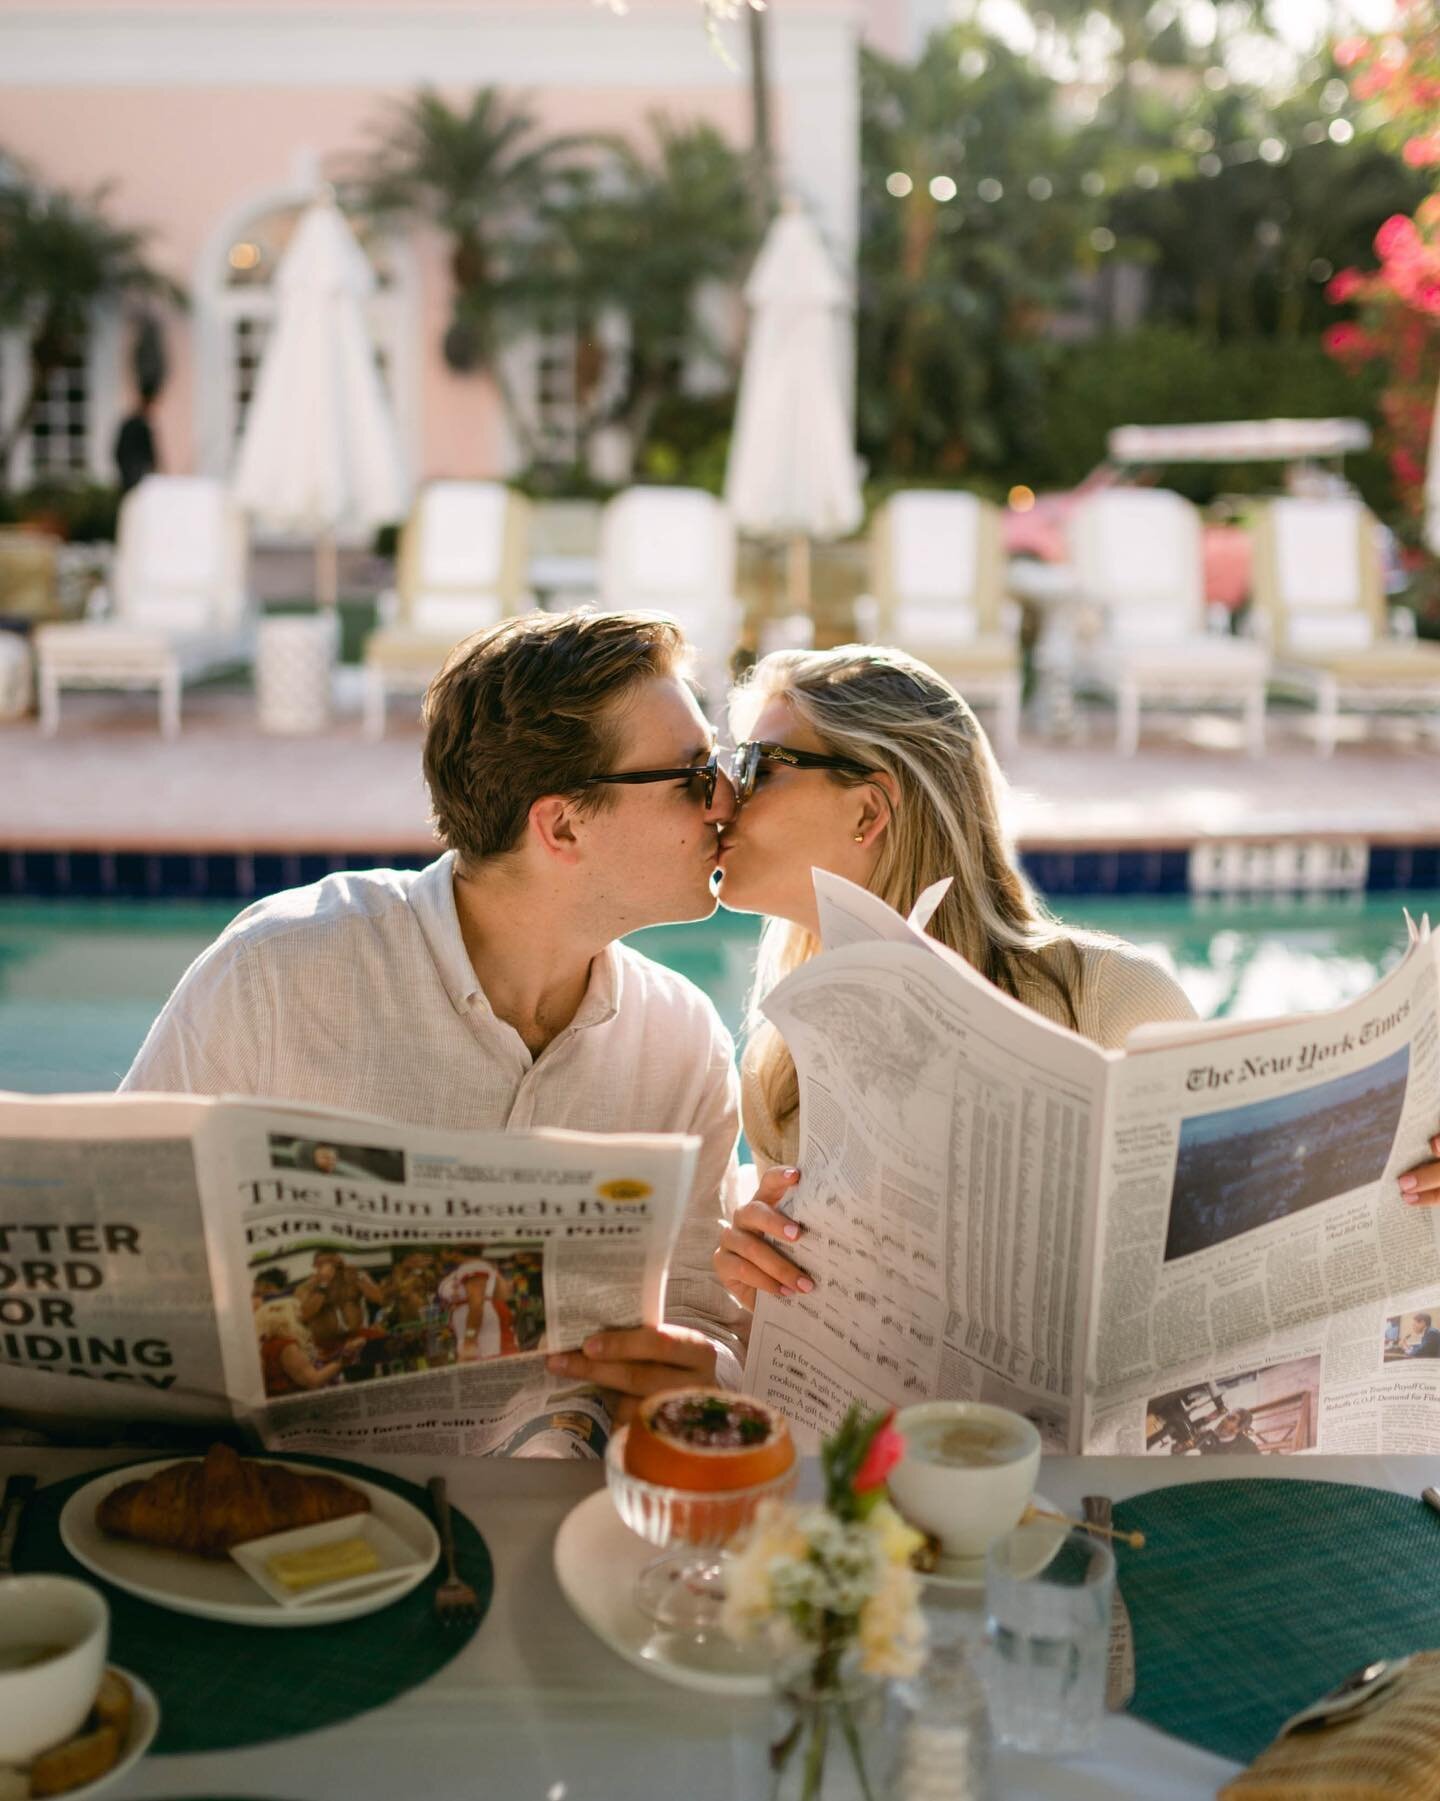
(327, 571)
(797, 574)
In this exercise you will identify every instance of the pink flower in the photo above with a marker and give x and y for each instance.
(1345, 340)
(1396, 237)
(1427, 297)
(1349, 51)
(1423, 153)
(886, 1449)
(1372, 81)
(1344, 286)
(1405, 468)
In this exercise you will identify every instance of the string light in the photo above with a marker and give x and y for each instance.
(1102, 239)
(942, 188)
(990, 190)
(1341, 131)
(1040, 187)
(899, 184)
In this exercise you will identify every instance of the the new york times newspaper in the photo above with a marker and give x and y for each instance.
(1193, 1247)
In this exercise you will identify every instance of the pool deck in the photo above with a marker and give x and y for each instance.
(108, 781)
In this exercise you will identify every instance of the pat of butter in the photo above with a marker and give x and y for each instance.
(336, 1562)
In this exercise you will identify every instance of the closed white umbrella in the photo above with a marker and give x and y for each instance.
(792, 471)
(320, 454)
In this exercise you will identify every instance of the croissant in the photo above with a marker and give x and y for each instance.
(204, 1508)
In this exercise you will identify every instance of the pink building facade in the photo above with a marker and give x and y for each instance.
(212, 122)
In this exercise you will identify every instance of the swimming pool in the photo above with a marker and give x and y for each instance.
(80, 981)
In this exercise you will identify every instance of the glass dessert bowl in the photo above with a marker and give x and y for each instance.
(682, 1590)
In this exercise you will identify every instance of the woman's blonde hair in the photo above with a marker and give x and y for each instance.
(890, 712)
(280, 1318)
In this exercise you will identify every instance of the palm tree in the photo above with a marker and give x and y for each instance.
(641, 236)
(60, 260)
(479, 173)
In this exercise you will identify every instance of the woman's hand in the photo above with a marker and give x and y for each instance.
(1420, 1187)
(643, 1360)
(745, 1261)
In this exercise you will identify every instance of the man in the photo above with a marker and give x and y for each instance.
(332, 1301)
(1423, 1338)
(573, 782)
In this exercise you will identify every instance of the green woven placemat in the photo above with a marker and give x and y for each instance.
(221, 1685)
(1251, 1599)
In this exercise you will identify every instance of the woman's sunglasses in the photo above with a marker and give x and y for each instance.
(747, 758)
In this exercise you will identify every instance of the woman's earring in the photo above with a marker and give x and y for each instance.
(859, 837)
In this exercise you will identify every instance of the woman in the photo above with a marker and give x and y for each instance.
(289, 1361)
(863, 761)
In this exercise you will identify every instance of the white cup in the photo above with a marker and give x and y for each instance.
(966, 1506)
(44, 1702)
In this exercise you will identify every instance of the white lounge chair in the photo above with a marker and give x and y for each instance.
(461, 568)
(1319, 587)
(938, 577)
(179, 605)
(1138, 557)
(672, 550)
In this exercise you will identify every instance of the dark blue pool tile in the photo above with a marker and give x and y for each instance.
(41, 873)
(85, 873)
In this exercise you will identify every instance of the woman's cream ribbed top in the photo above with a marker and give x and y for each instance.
(1120, 988)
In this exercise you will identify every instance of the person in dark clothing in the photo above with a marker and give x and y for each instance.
(1423, 1338)
(135, 456)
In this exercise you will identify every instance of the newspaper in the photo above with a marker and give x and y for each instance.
(1194, 1246)
(324, 1281)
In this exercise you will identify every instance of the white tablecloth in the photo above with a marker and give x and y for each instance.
(536, 1709)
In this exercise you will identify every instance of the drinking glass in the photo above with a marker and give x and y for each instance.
(1047, 1634)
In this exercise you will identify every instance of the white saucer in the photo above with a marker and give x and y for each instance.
(597, 1559)
(144, 1724)
(966, 1575)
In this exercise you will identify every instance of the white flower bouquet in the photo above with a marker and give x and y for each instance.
(830, 1589)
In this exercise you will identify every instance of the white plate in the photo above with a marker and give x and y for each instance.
(966, 1575)
(597, 1559)
(217, 1589)
(394, 1558)
(144, 1723)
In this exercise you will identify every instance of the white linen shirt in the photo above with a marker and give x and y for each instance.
(358, 993)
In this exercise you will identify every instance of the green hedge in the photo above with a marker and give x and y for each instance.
(1162, 376)
(84, 511)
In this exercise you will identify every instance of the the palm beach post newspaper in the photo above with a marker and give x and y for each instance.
(1193, 1246)
(334, 1282)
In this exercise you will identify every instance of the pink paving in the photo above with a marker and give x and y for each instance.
(109, 781)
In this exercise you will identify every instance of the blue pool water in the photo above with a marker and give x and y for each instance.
(80, 981)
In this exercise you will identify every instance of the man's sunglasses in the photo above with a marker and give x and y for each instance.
(707, 774)
(746, 761)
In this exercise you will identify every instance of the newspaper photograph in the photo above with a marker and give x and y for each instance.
(1192, 1247)
(324, 1281)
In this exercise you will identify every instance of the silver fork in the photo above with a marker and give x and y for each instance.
(456, 1603)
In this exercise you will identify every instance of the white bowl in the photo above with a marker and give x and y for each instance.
(44, 1702)
(966, 1506)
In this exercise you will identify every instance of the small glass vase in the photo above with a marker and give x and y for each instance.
(831, 1740)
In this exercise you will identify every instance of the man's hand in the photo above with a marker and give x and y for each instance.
(639, 1361)
(745, 1261)
(1420, 1187)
